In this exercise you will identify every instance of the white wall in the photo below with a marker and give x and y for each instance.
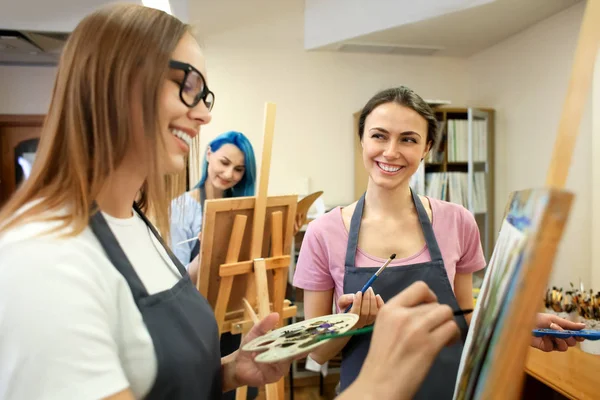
(525, 79)
(25, 90)
(316, 95)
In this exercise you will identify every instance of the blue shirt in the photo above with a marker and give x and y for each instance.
(186, 223)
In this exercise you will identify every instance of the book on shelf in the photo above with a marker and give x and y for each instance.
(458, 140)
(452, 187)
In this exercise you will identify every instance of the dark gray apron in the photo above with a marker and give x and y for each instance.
(440, 381)
(181, 324)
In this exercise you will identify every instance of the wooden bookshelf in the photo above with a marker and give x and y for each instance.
(485, 221)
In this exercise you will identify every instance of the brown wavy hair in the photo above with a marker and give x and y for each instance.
(87, 129)
(406, 97)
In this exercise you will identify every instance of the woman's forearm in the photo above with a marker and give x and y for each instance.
(228, 379)
(316, 304)
(463, 288)
(326, 352)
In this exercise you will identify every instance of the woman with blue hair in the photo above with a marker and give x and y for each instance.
(228, 170)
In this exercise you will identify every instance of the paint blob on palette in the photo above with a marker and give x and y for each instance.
(299, 338)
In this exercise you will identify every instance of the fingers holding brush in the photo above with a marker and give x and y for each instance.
(366, 306)
(548, 343)
(380, 302)
(371, 307)
(442, 326)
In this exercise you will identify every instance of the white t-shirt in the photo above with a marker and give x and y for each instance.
(69, 327)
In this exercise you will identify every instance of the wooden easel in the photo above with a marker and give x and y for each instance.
(244, 271)
(504, 373)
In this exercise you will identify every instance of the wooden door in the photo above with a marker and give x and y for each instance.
(14, 130)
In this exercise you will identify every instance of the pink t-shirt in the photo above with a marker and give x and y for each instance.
(320, 264)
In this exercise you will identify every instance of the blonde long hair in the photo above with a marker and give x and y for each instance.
(87, 129)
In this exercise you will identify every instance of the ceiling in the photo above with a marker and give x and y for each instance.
(459, 34)
(30, 34)
(30, 48)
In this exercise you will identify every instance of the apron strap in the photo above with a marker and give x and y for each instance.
(430, 240)
(352, 245)
(174, 259)
(115, 253)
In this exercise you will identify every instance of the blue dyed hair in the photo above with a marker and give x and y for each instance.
(246, 186)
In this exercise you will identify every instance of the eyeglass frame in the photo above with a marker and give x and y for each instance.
(187, 68)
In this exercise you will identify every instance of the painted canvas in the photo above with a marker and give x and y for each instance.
(521, 237)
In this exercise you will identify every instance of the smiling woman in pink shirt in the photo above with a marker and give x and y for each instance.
(434, 241)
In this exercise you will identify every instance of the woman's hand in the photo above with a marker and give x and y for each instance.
(240, 369)
(410, 331)
(365, 306)
(549, 343)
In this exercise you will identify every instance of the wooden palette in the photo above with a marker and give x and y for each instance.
(299, 338)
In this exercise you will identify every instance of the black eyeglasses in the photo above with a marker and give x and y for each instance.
(193, 87)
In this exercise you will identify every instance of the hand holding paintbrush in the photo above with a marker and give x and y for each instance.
(364, 303)
(375, 276)
(411, 329)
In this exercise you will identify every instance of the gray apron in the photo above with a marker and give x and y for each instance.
(181, 324)
(440, 381)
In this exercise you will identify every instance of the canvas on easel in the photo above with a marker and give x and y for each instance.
(500, 330)
(227, 267)
(493, 360)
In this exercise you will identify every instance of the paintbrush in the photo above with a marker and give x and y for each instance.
(375, 276)
(369, 328)
(186, 241)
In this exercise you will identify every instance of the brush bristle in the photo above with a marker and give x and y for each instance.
(393, 256)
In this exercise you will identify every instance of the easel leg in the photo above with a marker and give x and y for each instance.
(241, 392)
(262, 291)
(279, 274)
(262, 288)
(279, 279)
